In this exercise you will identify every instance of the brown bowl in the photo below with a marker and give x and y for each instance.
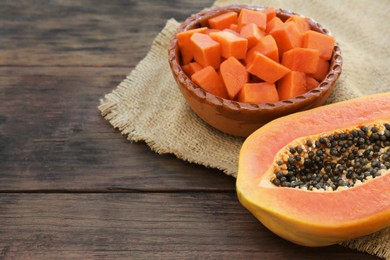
(237, 118)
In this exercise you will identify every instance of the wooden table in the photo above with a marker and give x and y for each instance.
(71, 185)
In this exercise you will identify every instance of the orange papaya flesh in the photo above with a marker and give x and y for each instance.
(184, 42)
(311, 83)
(316, 217)
(223, 21)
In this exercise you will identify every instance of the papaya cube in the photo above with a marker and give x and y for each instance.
(208, 79)
(223, 21)
(292, 85)
(191, 68)
(322, 42)
(234, 27)
(209, 30)
(271, 24)
(311, 83)
(287, 37)
(266, 46)
(234, 76)
(302, 23)
(321, 70)
(252, 16)
(232, 31)
(206, 51)
(255, 93)
(252, 33)
(266, 68)
(301, 59)
(184, 42)
(231, 44)
(270, 12)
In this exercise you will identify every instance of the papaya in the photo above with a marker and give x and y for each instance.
(321, 176)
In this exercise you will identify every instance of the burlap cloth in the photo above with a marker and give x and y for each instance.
(147, 105)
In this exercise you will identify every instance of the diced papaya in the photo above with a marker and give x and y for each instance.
(271, 24)
(206, 51)
(209, 30)
(321, 70)
(231, 44)
(256, 93)
(184, 42)
(302, 23)
(252, 16)
(252, 33)
(266, 68)
(191, 68)
(322, 42)
(232, 31)
(266, 46)
(311, 83)
(223, 21)
(235, 55)
(208, 79)
(270, 12)
(234, 76)
(301, 59)
(286, 36)
(234, 27)
(292, 85)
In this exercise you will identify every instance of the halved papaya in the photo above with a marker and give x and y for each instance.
(321, 176)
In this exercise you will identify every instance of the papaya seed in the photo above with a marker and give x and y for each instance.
(334, 161)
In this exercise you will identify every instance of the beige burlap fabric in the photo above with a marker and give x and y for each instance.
(147, 105)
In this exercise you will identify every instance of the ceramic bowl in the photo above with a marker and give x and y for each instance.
(237, 118)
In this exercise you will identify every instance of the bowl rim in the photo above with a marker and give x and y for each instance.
(305, 99)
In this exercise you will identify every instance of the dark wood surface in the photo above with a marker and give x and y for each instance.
(72, 186)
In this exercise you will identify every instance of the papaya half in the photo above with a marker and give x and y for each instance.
(321, 176)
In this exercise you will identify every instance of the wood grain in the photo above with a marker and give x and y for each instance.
(53, 137)
(84, 33)
(142, 226)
